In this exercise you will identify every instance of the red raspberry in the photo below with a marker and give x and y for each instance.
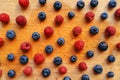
(110, 30)
(4, 18)
(79, 45)
(39, 59)
(117, 13)
(24, 3)
(89, 16)
(82, 66)
(21, 20)
(77, 30)
(1, 42)
(0, 72)
(27, 70)
(62, 70)
(48, 31)
(25, 46)
(58, 19)
(118, 46)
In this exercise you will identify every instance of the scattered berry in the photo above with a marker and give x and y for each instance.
(35, 36)
(24, 3)
(98, 69)
(73, 58)
(23, 59)
(60, 41)
(62, 69)
(111, 58)
(94, 30)
(0, 72)
(21, 20)
(10, 34)
(110, 74)
(110, 31)
(42, 2)
(4, 18)
(57, 5)
(39, 59)
(46, 72)
(94, 3)
(58, 19)
(79, 45)
(90, 54)
(48, 49)
(71, 15)
(11, 73)
(85, 77)
(48, 31)
(67, 78)
(89, 16)
(1, 42)
(104, 15)
(82, 66)
(57, 61)
(42, 16)
(25, 46)
(103, 46)
(112, 3)
(27, 70)
(117, 13)
(10, 57)
(80, 4)
(76, 31)
(118, 46)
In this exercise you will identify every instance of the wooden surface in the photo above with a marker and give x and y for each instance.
(65, 30)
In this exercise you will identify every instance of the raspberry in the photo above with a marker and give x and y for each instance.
(24, 3)
(89, 16)
(21, 20)
(82, 66)
(79, 45)
(1, 42)
(110, 30)
(62, 70)
(117, 13)
(58, 19)
(0, 72)
(48, 31)
(27, 70)
(39, 59)
(4, 18)
(25, 46)
(77, 30)
(118, 46)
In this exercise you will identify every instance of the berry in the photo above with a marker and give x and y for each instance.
(90, 54)
(117, 13)
(48, 49)
(58, 19)
(112, 3)
(46, 72)
(71, 15)
(60, 41)
(118, 46)
(89, 16)
(80, 4)
(27, 70)
(0, 72)
(39, 59)
(67, 78)
(103, 46)
(94, 30)
(57, 5)
(110, 74)
(42, 16)
(82, 66)
(42, 2)
(110, 31)
(48, 31)
(77, 31)
(73, 58)
(1, 42)
(62, 70)
(10, 34)
(35, 36)
(24, 3)
(11, 73)
(10, 57)
(79, 45)
(4, 18)
(57, 61)
(98, 69)
(85, 77)
(104, 15)
(21, 20)
(25, 46)
(23, 59)
(94, 3)
(111, 58)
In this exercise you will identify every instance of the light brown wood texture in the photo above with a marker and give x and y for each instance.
(65, 30)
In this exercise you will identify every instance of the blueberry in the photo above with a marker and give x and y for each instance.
(94, 30)
(60, 41)
(90, 54)
(48, 49)
(98, 69)
(10, 34)
(23, 59)
(46, 72)
(11, 73)
(111, 58)
(73, 58)
(67, 78)
(93, 3)
(57, 5)
(57, 61)
(71, 15)
(35, 36)
(103, 46)
(80, 4)
(110, 74)
(104, 15)
(42, 1)
(10, 57)
(85, 77)
(112, 3)
(42, 16)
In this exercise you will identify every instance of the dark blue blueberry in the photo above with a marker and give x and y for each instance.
(90, 54)
(80, 4)
(104, 15)
(11, 73)
(73, 59)
(112, 3)
(94, 3)
(48, 49)
(94, 30)
(10, 57)
(57, 5)
(67, 78)
(85, 77)
(42, 1)
(35, 36)
(98, 69)
(111, 58)
(60, 41)
(110, 74)
(23, 59)
(42, 16)
(71, 15)
(46, 72)
(57, 61)
(10, 34)
(103, 46)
